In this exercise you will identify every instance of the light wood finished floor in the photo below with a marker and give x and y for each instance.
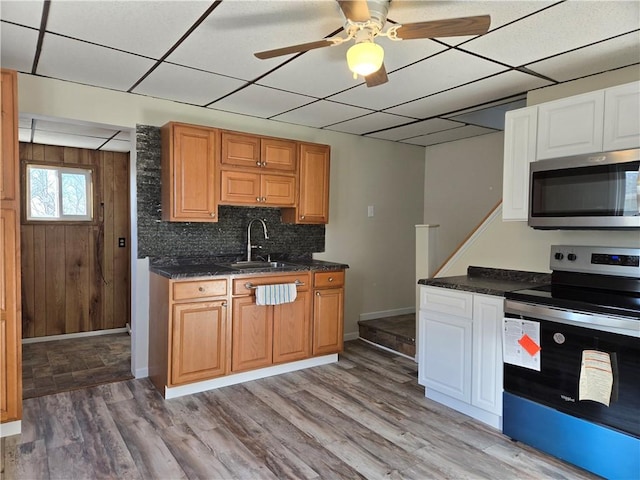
(363, 417)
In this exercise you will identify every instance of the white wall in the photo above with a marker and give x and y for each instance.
(463, 183)
(387, 175)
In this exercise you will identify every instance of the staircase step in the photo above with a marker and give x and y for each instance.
(397, 333)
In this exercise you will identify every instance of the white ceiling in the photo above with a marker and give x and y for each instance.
(201, 53)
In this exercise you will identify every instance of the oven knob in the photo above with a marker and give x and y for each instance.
(558, 256)
(571, 257)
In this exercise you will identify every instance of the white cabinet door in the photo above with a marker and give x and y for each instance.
(520, 130)
(570, 126)
(486, 390)
(447, 358)
(622, 117)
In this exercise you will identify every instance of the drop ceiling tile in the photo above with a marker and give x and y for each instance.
(369, 123)
(449, 135)
(27, 13)
(143, 27)
(186, 85)
(64, 139)
(82, 62)
(489, 89)
(73, 128)
(124, 135)
(116, 146)
(502, 12)
(443, 71)
(416, 129)
(261, 102)
(609, 55)
(491, 117)
(563, 27)
(17, 47)
(321, 113)
(227, 40)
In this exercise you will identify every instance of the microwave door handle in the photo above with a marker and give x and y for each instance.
(638, 190)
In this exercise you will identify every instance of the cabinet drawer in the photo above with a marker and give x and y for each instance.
(328, 279)
(241, 286)
(445, 300)
(199, 289)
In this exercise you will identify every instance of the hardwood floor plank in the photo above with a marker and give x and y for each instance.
(26, 460)
(60, 425)
(60, 466)
(191, 411)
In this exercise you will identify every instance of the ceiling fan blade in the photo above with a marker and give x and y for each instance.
(452, 27)
(302, 47)
(355, 10)
(377, 78)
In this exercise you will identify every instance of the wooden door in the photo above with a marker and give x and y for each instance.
(198, 342)
(188, 173)
(276, 154)
(291, 329)
(328, 321)
(252, 335)
(313, 201)
(76, 276)
(240, 188)
(9, 135)
(240, 150)
(10, 369)
(278, 190)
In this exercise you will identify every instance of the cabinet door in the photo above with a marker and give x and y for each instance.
(519, 150)
(447, 359)
(291, 329)
(198, 342)
(622, 117)
(570, 126)
(328, 319)
(188, 170)
(9, 135)
(252, 335)
(486, 389)
(278, 154)
(277, 190)
(240, 150)
(240, 188)
(10, 381)
(313, 204)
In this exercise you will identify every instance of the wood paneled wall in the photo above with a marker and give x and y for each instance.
(75, 277)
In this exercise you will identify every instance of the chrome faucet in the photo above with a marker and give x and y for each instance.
(264, 229)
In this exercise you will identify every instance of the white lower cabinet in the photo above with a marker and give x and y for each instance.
(460, 351)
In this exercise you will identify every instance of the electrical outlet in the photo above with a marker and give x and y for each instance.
(122, 242)
(370, 211)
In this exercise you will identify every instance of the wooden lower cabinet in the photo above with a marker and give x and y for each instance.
(291, 330)
(198, 341)
(328, 312)
(252, 335)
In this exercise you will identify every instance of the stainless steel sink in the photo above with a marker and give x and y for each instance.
(259, 264)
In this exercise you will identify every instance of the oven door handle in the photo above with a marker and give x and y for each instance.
(606, 323)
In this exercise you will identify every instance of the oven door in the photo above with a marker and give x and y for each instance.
(556, 385)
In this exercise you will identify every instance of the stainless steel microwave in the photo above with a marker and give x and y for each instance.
(586, 192)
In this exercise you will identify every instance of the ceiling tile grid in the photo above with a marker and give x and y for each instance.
(202, 53)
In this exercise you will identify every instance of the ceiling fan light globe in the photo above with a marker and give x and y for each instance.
(365, 58)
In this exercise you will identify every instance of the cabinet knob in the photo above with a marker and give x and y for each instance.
(317, 294)
(264, 199)
(212, 214)
(331, 279)
(301, 217)
(224, 304)
(264, 164)
(258, 163)
(257, 199)
(201, 289)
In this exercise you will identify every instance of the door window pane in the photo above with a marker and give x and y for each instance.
(59, 193)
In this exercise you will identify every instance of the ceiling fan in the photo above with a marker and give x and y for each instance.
(363, 23)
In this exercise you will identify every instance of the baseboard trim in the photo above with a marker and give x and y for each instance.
(234, 379)
(351, 336)
(67, 336)
(387, 349)
(10, 428)
(387, 313)
(141, 373)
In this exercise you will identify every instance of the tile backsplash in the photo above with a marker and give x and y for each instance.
(157, 238)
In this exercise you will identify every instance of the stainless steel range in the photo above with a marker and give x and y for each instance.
(572, 361)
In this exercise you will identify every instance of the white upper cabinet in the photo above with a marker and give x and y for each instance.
(622, 117)
(519, 150)
(570, 126)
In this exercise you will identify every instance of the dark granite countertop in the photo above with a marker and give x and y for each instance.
(208, 268)
(490, 281)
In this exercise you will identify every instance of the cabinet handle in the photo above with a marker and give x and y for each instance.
(201, 289)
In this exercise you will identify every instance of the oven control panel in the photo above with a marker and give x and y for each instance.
(619, 261)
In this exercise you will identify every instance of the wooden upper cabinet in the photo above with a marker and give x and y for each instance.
(248, 188)
(251, 151)
(313, 186)
(9, 137)
(189, 155)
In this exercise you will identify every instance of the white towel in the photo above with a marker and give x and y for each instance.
(276, 294)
